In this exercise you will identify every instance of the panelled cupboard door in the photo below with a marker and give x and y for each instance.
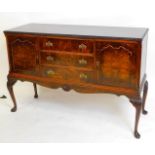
(117, 63)
(23, 54)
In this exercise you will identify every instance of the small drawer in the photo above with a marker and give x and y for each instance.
(49, 58)
(57, 73)
(67, 45)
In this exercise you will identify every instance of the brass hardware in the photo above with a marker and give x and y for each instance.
(49, 44)
(83, 76)
(83, 62)
(82, 46)
(50, 58)
(50, 72)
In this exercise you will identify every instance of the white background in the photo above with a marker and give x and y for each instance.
(58, 116)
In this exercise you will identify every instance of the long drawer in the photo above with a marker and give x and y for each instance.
(69, 74)
(67, 45)
(54, 58)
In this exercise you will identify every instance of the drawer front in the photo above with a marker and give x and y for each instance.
(68, 45)
(67, 74)
(49, 58)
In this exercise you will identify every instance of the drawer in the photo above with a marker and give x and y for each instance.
(50, 58)
(68, 45)
(57, 73)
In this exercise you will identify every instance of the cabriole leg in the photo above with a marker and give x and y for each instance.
(10, 84)
(35, 90)
(138, 107)
(144, 98)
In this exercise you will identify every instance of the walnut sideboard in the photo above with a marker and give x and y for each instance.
(87, 59)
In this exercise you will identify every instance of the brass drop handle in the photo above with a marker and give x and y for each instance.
(82, 46)
(83, 76)
(49, 44)
(50, 58)
(82, 62)
(50, 72)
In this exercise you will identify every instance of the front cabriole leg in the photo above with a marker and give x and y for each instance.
(138, 108)
(10, 84)
(139, 104)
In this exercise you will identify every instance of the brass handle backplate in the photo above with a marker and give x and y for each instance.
(50, 58)
(83, 76)
(82, 62)
(82, 46)
(49, 44)
(50, 72)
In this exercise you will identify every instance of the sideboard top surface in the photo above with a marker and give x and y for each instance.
(81, 30)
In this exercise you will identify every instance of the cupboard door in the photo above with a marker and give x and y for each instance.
(117, 64)
(23, 55)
